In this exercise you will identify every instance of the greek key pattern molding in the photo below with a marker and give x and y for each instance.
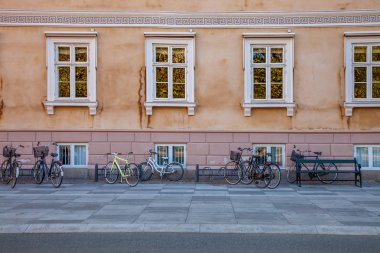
(88, 19)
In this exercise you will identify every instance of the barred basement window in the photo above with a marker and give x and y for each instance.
(174, 152)
(368, 156)
(73, 155)
(277, 152)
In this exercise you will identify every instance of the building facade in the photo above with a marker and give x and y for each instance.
(191, 79)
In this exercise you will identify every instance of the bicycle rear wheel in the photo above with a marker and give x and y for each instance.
(232, 172)
(39, 172)
(132, 174)
(330, 173)
(56, 175)
(247, 177)
(291, 174)
(111, 173)
(262, 176)
(275, 176)
(174, 171)
(146, 171)
(5, 172)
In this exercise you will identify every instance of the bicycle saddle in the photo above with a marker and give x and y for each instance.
(318, 153)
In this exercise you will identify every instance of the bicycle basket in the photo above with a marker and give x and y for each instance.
(235, 156)
(294, 156)
(41, 151)
(9, 151)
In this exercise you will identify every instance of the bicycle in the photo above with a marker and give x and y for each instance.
(173, 171)
(40, 169)
(248, 171)
(129, 172)
(275, 168)
(10, 168)
(326, 177)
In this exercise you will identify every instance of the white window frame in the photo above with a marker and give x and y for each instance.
(170, 148)
(186, 40)
(72, 154)
(284, 40)
(370, 155)
(353, 39)
(268, 147)
(53, 39)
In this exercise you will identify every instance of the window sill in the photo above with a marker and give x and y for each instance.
(49, 105)
(248, 107)
(349, 106)
(190, 106)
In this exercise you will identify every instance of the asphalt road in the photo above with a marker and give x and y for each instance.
(185, 242)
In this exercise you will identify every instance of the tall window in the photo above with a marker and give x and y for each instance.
(277, 152)
(71, 63)
(368, 156)
(72, 154)
(171, 153)
(366, 69)
(170, 66)
(268, 72)
(362, 62)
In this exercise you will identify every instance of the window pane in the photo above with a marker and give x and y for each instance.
(81, 54)
(360, 86)
(277, 155)
(163, 152)
(259, 85)
(81, 82)
(360, 74)
(178, 82)
(79, 155)
(259, 55)
(63, 53)
(161, 54)
(362, 156)
(376, 53)
(161, 82)
(276, 55)
(161, 90)
(64, 154)
(360, 90)
(360, 54)
(178, 55)
(376, 156)
(179, 154)
(64, 81)
(161, 74)
(276, 83)
(376, 82)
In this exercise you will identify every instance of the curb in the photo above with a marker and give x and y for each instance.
(189, 228)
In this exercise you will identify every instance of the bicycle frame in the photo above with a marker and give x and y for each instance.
(117, 158)
(159, 168)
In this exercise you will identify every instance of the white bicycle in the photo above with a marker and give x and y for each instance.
(172, 171)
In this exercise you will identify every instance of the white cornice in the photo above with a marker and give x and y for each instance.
(269, 35)
(170, 34)
(70, 34)
(362, 34)
(189, 19)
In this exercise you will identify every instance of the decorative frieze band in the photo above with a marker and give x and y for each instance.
(191, 20)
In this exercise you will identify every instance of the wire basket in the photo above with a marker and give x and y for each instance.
(9, 151)
(40, 151)
(235, 156)
(294, 156)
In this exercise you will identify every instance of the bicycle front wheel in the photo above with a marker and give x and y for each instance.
(275, 176)
(132, 174)
(330, 173)
(14, 174)
(56, 175)
(146, 171)
(111, 173)
(291, 173)
(262, 176)
(174, 171)
(232, 172)
(247, 177)
(5, 172)
(39, 172)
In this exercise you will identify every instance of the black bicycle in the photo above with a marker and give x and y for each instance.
(327, 173)
(54, 172)
(10, 167)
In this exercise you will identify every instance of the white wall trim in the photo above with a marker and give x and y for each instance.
(269, 35)
(170, 34)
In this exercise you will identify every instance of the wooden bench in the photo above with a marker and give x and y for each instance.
(356, 169)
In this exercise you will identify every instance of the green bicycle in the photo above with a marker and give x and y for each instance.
(128, 171)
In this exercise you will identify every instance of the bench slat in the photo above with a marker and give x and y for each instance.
(326, 161)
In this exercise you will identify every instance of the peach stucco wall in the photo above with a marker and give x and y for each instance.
(318, 74)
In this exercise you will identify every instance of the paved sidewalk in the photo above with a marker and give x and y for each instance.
(190, 207)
